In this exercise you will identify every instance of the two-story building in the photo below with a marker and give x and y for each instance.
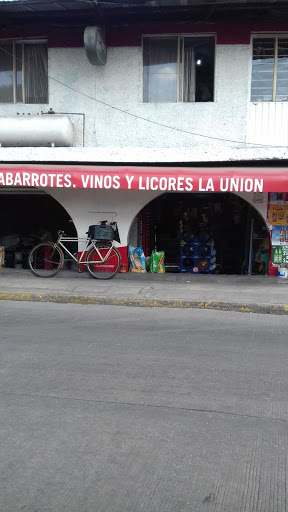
(170, 118)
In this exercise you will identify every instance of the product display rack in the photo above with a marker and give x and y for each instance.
(197, 253)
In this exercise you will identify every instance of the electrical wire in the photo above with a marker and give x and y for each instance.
(251, 144)
(162, 125)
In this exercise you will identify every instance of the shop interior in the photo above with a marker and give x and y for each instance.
(199, 233)
(235, 235)
(26, 219)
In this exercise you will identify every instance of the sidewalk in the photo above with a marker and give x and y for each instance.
(261, 294)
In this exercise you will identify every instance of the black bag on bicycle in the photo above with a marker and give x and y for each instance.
(101, 232)
(104, 232)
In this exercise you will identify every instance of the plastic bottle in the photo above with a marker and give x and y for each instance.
(276, 256)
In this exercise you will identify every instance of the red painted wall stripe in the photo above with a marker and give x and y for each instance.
(132, 35)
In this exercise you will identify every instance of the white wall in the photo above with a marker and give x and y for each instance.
(119, 83)
(112, 136)
(88, 207)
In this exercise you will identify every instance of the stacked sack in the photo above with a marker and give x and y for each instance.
(138, 262)
(136, 259)
(157, 262)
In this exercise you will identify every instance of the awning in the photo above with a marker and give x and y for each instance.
(186, 179)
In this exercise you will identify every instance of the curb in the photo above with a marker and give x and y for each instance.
(274, 309)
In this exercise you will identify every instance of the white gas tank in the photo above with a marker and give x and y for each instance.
(34, 131)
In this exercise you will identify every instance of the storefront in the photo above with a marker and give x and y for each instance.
(167, 208)
(28, 216)
(206, 233)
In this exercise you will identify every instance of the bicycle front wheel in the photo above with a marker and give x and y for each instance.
(103, 261)
(45, 260)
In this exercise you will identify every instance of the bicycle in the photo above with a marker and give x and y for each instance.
(102, 258)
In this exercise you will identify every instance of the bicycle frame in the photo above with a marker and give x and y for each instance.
(89, 244)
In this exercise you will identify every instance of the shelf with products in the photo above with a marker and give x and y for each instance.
(260, 245)
(197, 252)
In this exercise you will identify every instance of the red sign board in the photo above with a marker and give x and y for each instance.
(186, 179)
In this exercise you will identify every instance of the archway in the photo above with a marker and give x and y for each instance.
(27, 217)
(239, 235)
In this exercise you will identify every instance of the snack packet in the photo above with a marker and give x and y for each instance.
(157, 262)
(136, 259)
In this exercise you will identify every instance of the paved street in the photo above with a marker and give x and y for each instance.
(115, 409)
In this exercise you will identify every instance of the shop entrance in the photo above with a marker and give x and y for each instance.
(27, 217)
(235, 235)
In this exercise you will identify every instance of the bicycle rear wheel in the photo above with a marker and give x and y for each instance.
(45, 260)
(103, 269)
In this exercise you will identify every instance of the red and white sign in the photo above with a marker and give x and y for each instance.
(173, 179)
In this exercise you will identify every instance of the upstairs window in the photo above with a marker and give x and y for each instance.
(270, 69)
(23, 72)
(178, 69)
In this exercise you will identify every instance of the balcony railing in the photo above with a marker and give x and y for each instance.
(268, 123)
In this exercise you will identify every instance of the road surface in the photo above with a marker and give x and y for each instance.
(115, 409)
